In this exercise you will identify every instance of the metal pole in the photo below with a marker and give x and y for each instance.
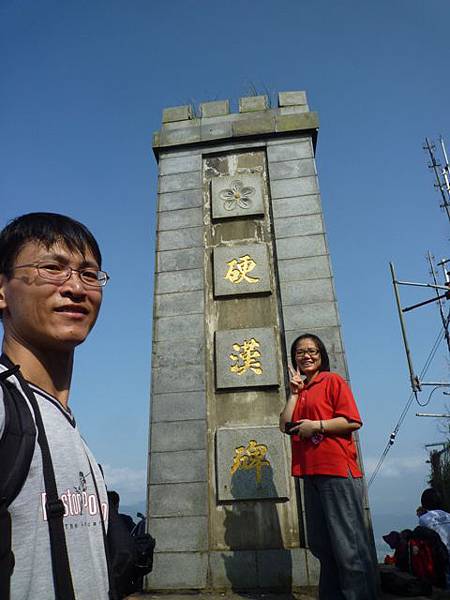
(442, 264)
(440, 416)
(413, 377)
(425, 285)
(445, 170)
(441, 304)
(424, 303)
(434, 165)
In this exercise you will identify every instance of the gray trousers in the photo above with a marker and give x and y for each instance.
(338, 537)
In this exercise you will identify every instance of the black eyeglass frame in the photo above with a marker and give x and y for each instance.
(311, 352)
(66, 273)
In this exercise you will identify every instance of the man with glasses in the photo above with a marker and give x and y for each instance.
(51, 286)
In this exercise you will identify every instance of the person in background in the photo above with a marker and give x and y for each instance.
(432, 515)
(114, 502)
(321, 415)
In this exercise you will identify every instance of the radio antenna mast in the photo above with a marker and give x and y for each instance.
(444, 318)
(442, 173)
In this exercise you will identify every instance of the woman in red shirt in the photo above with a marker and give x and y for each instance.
(321, 415)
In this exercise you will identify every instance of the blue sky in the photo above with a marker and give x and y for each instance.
(82, 88)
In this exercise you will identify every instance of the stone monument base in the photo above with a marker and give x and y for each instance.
(274, 570)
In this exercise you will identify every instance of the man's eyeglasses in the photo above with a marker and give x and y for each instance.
(58, 273)
(310, 351)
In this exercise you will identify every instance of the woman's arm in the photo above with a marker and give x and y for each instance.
(335, 426)
(295, 384)
(287, 412)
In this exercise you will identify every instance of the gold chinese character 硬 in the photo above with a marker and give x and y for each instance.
(238, 269)
(247, 357)
(251, 457)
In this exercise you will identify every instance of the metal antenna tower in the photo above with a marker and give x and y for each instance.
(442, 173)
(416, 383)
(442, 293)
(439, 297)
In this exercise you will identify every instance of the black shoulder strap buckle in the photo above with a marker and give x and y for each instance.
(13, 371)
(55, 508)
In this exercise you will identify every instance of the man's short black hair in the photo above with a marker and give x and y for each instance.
(47, 229)
(324, 358)
(431, 499)
(114, 499)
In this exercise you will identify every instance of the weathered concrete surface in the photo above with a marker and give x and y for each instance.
(306, 594)
(252, 103)
(214, 109)
(291, 98)
(181, 127)
(177, 113)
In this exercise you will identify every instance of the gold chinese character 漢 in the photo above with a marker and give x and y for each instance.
(238, 270)
(251, 457)
(246, 358)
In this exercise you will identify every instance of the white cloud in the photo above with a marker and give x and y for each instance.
(400, 466)
(128, 482)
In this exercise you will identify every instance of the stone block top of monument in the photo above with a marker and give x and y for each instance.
(212, 121)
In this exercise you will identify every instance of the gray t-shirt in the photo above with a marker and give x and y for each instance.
(32, 578)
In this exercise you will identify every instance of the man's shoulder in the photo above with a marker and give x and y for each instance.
(434, 517)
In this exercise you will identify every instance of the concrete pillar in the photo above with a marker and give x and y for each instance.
(242, 267)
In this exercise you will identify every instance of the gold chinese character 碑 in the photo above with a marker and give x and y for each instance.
(251, 457)
(238, 269)
(246, 358)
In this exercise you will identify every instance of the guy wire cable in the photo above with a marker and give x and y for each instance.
(427, 401)
(407, 406)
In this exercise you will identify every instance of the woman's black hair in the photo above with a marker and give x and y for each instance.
(47, 229)
(324, 362)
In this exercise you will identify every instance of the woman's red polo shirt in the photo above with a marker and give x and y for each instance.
(326, 397)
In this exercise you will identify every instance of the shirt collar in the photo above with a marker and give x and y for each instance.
(317, 379)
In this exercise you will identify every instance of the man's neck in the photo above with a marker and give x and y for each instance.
(48, 369)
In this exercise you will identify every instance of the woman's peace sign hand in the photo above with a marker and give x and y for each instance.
(295, 380)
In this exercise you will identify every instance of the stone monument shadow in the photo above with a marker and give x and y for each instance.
(256, 558)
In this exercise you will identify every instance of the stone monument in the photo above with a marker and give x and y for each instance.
(242, 268)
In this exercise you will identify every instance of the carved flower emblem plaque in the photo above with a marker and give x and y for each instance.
(237, 195)
(233, 196)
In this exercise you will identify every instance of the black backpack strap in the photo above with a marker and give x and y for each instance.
(16, 452)
(18, 439)
(112, 591)
(6, 554)
(62, 577)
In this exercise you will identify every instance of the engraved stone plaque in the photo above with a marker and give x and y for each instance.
(250, 463)
(237, 195)
(246, 358)
(241, 270)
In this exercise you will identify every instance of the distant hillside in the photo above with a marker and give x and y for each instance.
(132, 509)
